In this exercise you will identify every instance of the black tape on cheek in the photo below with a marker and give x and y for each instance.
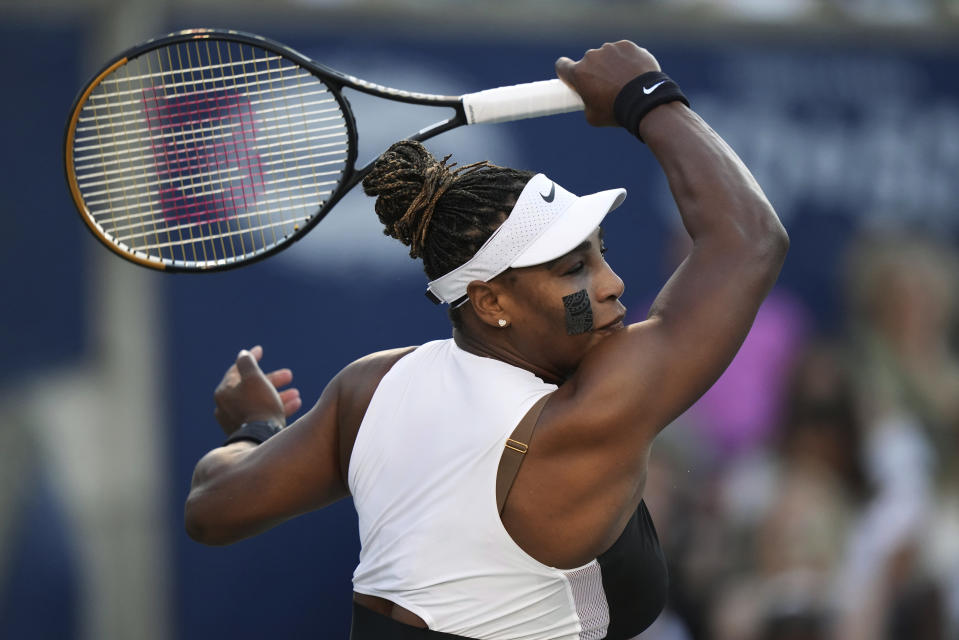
(579, 313)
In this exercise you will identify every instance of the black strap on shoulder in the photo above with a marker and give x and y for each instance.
(516, 447)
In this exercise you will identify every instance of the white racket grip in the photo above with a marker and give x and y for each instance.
(530, 100)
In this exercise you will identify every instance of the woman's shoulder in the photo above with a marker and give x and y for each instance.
(371, 368)
(381, 358)
(360, 378)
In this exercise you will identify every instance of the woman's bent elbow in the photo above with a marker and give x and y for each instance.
(765, 248)
(771, 240)
(200, 526)
(778, 242)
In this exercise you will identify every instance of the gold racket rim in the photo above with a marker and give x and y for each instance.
(72, 175)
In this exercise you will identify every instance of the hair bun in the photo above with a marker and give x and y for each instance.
(407, 181)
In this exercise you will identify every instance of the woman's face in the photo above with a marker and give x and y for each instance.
(560, 309)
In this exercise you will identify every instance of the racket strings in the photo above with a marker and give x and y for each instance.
(205, 152)
(106, 178)
(221, 69)
(123, 161)
(98, 119)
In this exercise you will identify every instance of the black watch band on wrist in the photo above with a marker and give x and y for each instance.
(258, 431)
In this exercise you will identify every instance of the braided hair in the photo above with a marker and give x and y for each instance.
(444, 215)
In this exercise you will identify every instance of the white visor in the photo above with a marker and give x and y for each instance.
(547, 222)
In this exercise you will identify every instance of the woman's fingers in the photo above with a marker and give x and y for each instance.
(291, 400)
(280, 377)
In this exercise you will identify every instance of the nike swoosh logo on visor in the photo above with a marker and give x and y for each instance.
(552, 193)
(649, 90)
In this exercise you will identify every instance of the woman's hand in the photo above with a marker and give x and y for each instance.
(246, 394)
(601, 73)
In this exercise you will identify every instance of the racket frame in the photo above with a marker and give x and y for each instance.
(334, 80)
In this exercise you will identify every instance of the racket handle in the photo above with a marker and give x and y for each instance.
(530, 100)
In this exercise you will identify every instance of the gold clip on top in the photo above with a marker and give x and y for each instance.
(516, 445)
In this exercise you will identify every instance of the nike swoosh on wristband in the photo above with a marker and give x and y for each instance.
(649, 90)
(552, 193)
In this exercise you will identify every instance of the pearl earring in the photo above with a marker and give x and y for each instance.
(503, 323)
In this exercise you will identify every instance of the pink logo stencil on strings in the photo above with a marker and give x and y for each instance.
(204, 149)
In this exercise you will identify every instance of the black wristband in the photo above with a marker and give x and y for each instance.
(641, 95)
(258, 431)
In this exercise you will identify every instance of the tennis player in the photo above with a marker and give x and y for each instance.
(498, 475)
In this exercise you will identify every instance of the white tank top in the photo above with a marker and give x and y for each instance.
(423, 479)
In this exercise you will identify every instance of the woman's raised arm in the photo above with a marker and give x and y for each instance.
(640, 379)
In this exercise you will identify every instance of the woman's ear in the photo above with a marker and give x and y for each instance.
(485, 302)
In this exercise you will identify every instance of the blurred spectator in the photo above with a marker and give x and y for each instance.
(903, 295)
(902, 292)
(790, 510)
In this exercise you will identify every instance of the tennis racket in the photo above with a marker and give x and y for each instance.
(208, 149)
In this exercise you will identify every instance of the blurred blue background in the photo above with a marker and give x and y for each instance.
(846, 111)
